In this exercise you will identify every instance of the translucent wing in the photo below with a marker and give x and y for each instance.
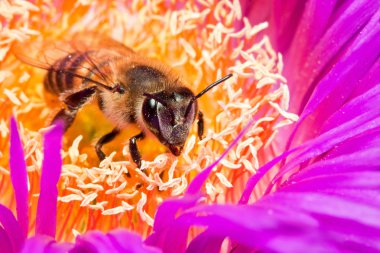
(41, 53)
(45, 54)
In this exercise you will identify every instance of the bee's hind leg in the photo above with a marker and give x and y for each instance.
(73, 103)
(105, 139)
(65, 117)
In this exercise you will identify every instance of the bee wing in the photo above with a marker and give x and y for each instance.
(39, 53)
(96, 41)
(42, 53)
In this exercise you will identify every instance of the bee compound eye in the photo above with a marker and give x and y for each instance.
(149, 112)
(152, 103)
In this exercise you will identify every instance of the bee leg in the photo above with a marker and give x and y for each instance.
(76, 100)
(73, 102)
(135, 153)
(105, 139)
(200, 125)
(66, 117)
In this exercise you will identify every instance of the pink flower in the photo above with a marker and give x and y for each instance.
(320, 191)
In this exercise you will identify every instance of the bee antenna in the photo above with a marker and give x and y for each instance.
(221, 80)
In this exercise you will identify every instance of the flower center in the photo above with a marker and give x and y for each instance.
(201, 41)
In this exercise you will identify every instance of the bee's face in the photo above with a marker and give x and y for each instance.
(165, 115)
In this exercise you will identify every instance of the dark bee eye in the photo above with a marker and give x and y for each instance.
(152, 103)
(149, 111)
(177, 97)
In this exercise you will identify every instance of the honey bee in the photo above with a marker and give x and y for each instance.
(128, 87)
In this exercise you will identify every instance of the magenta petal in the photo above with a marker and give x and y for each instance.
(162, 238)
(51, 170)
(93, 241)
(342, 78)
(12, 228)
(289, 221)
(164, 220)
(55, 247)
(256, 228)
(285, 18)
(5, 241)
(44, 244)
(362, 217)
(350, 18)
(178, 231)
(354, 155)
(328, 140)
(335, 87)
(167, 211)
(355, 107)
(315, 19)
(257, 11)
(252, 182)
(19, 178)
(130, 242)
(371, 79)
(115, 241)
(344, 129)
(361, 161)
(353, 180)
(205, 242)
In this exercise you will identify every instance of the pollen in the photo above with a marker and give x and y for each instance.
(202, 41)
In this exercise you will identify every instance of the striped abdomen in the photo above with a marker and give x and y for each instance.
(69, 72)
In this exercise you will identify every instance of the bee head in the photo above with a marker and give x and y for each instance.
(169, 115)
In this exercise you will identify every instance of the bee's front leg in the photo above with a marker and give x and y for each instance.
(200, 125)
(105, 139)
(135, 153)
